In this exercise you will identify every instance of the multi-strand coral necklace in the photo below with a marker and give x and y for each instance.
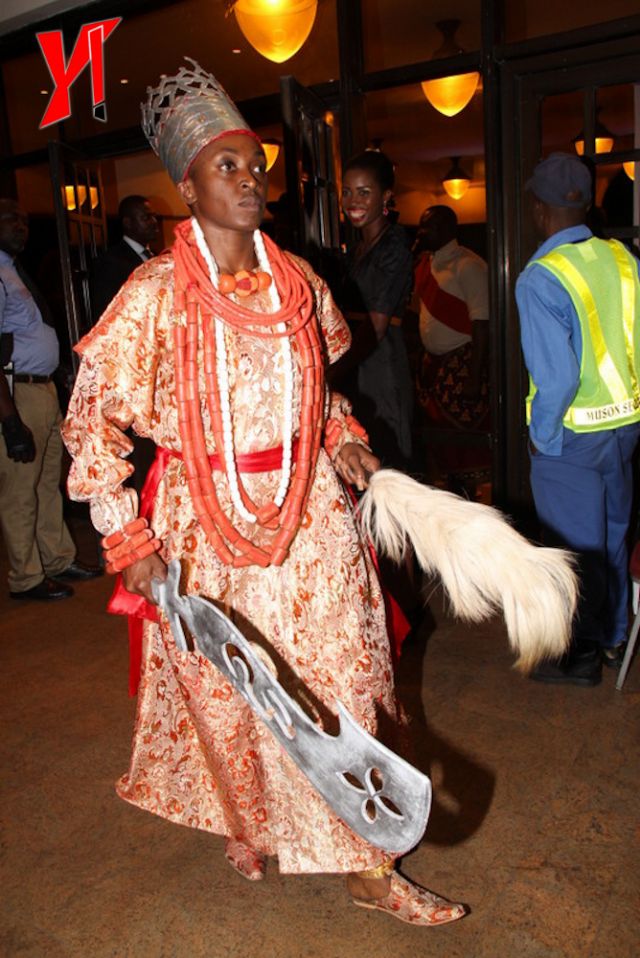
(292, 319)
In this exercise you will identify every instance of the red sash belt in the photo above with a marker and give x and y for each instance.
(136, 607)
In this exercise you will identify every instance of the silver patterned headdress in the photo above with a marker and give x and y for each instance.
(184, 113)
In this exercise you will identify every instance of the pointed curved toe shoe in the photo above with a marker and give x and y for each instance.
(413, 904)
(249, 863)
(46, 591)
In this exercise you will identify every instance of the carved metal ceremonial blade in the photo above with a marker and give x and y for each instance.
(379, 795)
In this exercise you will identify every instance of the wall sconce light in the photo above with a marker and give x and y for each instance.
(456, 182)
(69, 198)
(75, 197)
(450, 94)
(275, 28)
(271, 150)
(603, 138)
(630, 169)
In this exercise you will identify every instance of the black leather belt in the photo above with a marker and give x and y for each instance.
(29, 378)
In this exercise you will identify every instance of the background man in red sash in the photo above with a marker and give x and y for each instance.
(451, 298)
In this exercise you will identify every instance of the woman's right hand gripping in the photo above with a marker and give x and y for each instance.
(137, 578)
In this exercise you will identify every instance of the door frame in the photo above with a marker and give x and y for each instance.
(70, 168)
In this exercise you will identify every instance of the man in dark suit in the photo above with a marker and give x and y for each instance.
(109, 272)
(111, 269)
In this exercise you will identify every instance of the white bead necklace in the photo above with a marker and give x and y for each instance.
(222, 372)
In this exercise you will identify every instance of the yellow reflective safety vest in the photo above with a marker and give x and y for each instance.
(601, 277)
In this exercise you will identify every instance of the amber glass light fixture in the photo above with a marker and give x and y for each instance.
(456, 182)
(275, 28)
(271, 150)
(630, 169)
(450, 94)
(74, 197)
(69, 198)
(603, 138)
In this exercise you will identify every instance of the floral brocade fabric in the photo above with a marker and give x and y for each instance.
(200, 757)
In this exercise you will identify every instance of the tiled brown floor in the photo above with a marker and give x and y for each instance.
(535, 821)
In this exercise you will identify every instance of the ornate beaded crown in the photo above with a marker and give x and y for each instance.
(184, 113)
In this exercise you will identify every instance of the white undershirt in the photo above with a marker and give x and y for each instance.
(136, 247)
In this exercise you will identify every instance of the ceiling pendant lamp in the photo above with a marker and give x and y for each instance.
(271, 151)
(456, 182)
(275, 28)
(450, 94)
(629, 169)
(603, 138)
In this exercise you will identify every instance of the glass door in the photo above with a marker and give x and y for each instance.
(82, 232)
(311, 172)
(583, 99)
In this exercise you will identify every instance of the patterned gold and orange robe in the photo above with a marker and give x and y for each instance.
(200, 756)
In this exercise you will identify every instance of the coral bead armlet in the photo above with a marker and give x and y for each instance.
(337, 433)
(128, 545)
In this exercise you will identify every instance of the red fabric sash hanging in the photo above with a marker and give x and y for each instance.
(444, 307)
(398, 625)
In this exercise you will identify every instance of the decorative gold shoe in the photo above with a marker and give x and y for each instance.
(414, 904)
(246, 860)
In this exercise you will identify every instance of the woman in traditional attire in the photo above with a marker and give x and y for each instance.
(215, 350)
(373, 299)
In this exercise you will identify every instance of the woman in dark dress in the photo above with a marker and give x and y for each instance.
(374, 297)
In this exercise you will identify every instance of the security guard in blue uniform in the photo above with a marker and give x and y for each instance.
(579, 304)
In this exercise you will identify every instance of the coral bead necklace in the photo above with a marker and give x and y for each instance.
(222, 372)
(292, 318)
(244, 282)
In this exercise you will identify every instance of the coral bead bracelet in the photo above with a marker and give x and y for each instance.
(126, 546)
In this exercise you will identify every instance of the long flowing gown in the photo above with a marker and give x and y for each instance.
(200, 757)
